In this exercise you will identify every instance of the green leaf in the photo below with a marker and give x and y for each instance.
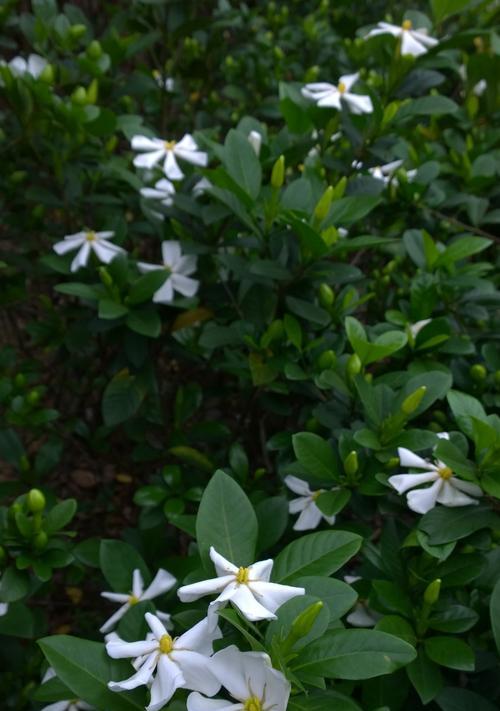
(121, 399)
(461, 248)
(331, 502)
(84, 291)
(147, 322)
(272, 515)
(326, 700)
(495, 614)
(18, 622)
(349, 210)
(460, 699)
(315, 554)
(425, 677)
(399, 627)
(118, 561)
(85, 668)
(14, 584)
(450, 652)
(315, 455)
(287, 614)
(465, 409)
(369, 352)
(60, 515)
(441, 9)
(444, 524)
(354, 654)
(144, 288)
(110, 310)
(426, 106)
(242, 163)
(226, 520)
(337, 596)
(308, 311)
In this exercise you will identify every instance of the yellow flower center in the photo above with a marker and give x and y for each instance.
(253, 704)
(169, 145)
(242, 578)
(342, 87)
(90, 236)
(166, 644)
(316, 494)
(133, 600)
(407, 25)
(445, 473)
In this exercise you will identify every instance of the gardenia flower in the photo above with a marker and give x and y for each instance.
(325, 94)
(250, 680)
(179, 267)
(416, 327)
(162, 191)
(414, 42)
(386, 172)
(446, 488)
(89, 241)
(162, 582)
(180, 662)
(33, 66)
(155, 149)
(255, 140)
(248, 589)
(67, 705)
(310, 514)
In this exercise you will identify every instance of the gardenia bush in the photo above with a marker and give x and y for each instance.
(250, 364)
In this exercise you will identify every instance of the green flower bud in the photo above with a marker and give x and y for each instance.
(20, 380)
(33, 397)
(111, 144)
(278, 173)
(79, 96)
(354, 365)
(411, 403)
(351, 464)
(48, 74)
(94, 50)
(326, 295)
(327, 360)
(303, 623)
(92, 92)
(275, 331)
(431, 594)
(35, 501)
(323, 205)
(392, 462)
(478, 372)
(24, 463)
(40, 540)
(77, 31)
(278, 53)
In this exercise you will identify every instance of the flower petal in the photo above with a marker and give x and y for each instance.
(165, 294)
(411, 46)
(222, 565)
(192, 592)
(404, 482)
(423, 500)
(186, 265)
(149, 160)
(197, 702)
(161, 583)
(142, 676)
(309, 518)
(359, 104)
(348, 80)
(199, 158)
(171, 252)
(409, 459)
(196, 671)
(118, 649)
(243, 674)
(81, 258)
(137, 583)
(67, 245)
(331, 100)
(171, 167)
(298, 505)
(248, 605)
(467, 486)
(168, 678)
(185, 285)
(298, 486)
(273, 595)
(199, 638)
(451, 496)
(143, 143)
(261, 570)
(111, 622)
(155, 625)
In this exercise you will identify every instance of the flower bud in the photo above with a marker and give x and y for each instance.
(106, 277)
(351, 464)
(77, 31)
(478, 372)
(354, 365)
(326, 295)
(40, 540)
(431, 594)
(327, 360)
(275, 331)
(278, 173)
(48, 75)
(94, 50)
(24, 463)
(33, 397)
(35, 501)
(323, 205)
(92, 92)
(411, 403)
(303, 623)
(79, 96)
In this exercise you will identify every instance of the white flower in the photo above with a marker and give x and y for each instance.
(180, 267)
(446, 488)
(385, 172)
(255, 140)
(248, 589)
(155, 149)
(33, 66)
(72, 705)
(249, 678)
(202, 185)
(310, 514)
(416, 327)
(86, 242)
(325, 94)
(4, 608)
(414, 42)
(182, 662)
(161, 583)
(163, 82)
(162, 191)
(362, 616)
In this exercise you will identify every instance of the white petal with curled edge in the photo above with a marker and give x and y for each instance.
(261, 570)
(36, 65)
(187, 143)
(348, 80)
(186, 265)
(152, 193)
(142, 676)
(106, 252)
(298, 505)
(171, 252)
(192, 592)
(118, 649)
(298, 486)
(196, 671)
(331, 100)
(143, 143)
(423, 500)
(199, 158)
(467, 486)
(149, 160)
(387, 28)
(197, 702)
(171, 167)
(67, 245)
(4, 608)
(81, 258)
(452, 496)
(405, 482)
(168, 678)
(272, 595)
(247, 604)
(106, 234)
(58, 706)
(359, 104)
(222, 565)
(411, 46)
(137, 583)
(161, 583)
(199, 638)
(423, 37)
(165, 294)
(145, 267)
(166, 186)
(185, 285)
(309, 519)
(155, 625)
(409, 459)
(115, 617)
(360, 617)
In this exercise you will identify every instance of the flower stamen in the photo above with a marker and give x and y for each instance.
(133, 600)
(445, 473)
(169, 145)
(341, 87)
(166, 644)
(90, 236)
(242, 576)
(407, 25)
(253, 704)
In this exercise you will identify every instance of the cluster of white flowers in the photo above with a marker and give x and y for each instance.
(164, 663)
(33, 66)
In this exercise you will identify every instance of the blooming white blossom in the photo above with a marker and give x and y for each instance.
(386, 172)
(86, 242)
(67, 705)
(446, 489)
(413, 42)
(179, 267)
(34, 65)
(154, 150)
(255, 140)
(250, 680)
(163, 191)
(310, 515)
(330, 95)
(161, 583)
(180, 662)
(248, 589)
